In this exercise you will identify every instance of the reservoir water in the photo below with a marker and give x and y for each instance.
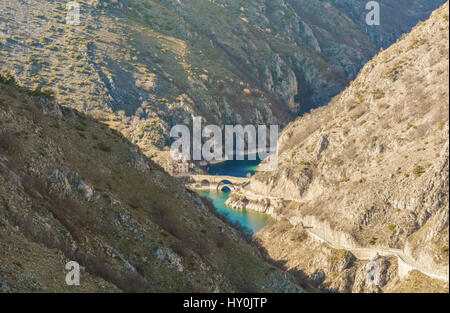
(252, 221)
(234, 168)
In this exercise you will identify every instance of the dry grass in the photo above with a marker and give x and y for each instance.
(417, 282)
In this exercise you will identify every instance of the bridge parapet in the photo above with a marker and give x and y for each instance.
(214, 182)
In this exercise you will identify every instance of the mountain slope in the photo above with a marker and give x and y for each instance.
(144, 65)
(73, 189)
(369, 170)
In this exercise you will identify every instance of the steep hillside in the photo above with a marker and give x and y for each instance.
(370, 170)
(142, 66)
(73, 189)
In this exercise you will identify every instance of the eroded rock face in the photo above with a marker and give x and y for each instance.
(170, 258)
(261, 62)
(372, 169)
(279, 79)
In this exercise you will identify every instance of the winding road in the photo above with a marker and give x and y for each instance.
(405, 263)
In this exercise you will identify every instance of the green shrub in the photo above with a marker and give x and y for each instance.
(104, 147)
(8, 79)
(3, 105)
(8, 143)
(43, 92)
(379, 94)
(409, 126)
(392, 227)
(358, 115)
(418, 170)
(80, 128)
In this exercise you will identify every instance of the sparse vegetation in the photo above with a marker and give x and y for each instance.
(104, 147)
(392, 228)
(8, 144)
(141, 221)
(372, 241)
(418, 170)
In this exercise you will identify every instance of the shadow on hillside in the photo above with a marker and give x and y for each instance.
(69, 213)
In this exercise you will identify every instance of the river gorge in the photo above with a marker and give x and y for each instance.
(252, 221)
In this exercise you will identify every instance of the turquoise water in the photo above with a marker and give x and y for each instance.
(252, 221)
(234, 168)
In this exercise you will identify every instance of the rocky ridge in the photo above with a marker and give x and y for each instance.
(142, 66)
(371, 168)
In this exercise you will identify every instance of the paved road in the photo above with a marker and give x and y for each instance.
(406, 263)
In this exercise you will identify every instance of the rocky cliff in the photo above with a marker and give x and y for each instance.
(142, 66)
(370, 170)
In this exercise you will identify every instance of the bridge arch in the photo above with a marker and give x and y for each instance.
(223, 184)
(214, 182)
(205, 184)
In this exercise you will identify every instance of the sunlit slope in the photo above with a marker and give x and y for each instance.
(370, 170)
(142, 66)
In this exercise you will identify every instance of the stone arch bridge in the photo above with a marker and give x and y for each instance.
(214, 182)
